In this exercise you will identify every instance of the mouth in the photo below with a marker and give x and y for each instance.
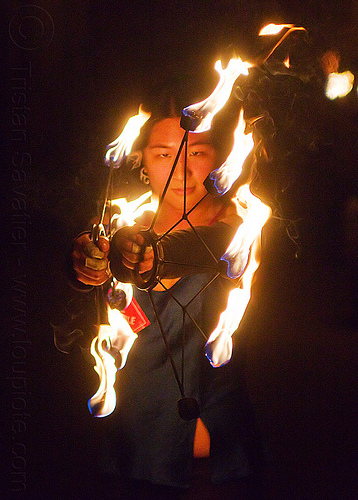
(180, 191)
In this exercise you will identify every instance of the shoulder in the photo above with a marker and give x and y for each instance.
(229, 215)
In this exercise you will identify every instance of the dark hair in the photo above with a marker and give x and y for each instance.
(168, 101)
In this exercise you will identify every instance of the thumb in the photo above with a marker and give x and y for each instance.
(103, 244)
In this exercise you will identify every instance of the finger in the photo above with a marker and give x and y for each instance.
(142, 266)
(92, 280)
(103, 244)
(96, 264)
(145, 266)
(128, 263)
(139, 257)
(79, 245)
(133, 258)
(92, 250)
(148, 254)
(77, 254)
(138, 238)
(91, 277)
(131, 246)
(84, 246)
(83, 239)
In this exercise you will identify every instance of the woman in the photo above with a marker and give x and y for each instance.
(153, 442)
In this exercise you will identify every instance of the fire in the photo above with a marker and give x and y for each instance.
(242, 257)
(116, 338)
(242, 254)
(226, 175)
(119, 337)
(123, 144)
(273, 29)
(207, 109)
(131, 210)
(339, 84)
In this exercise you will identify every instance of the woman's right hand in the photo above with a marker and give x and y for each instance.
(90, 260)
(129, 244)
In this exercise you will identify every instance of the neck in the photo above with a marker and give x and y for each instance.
(202, 215)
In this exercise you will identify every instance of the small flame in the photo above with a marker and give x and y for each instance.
(207, 109)
(226, 175)
(117, 337)
(273, 29)
(339, 84)
(254, 214)
(286, 62)
(131, 210)
(123, 144)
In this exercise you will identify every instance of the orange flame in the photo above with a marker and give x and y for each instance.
(242, 255)
(131, 210)
(207, 109)
(123, 144)
(119, 336)
(230, 170)
(273, 29)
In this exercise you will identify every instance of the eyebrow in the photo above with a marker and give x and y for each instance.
(161, 146)
(200, 143)
(167, 146)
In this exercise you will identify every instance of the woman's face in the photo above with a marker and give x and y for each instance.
(159, 155)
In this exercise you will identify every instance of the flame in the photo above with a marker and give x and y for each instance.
(123, 144)
(254, 214)
(119, 337)
(131, 210)
(207, 109)
(273, 29)
(339, 84)
(286, 62)
(230, 170)
(242, 256)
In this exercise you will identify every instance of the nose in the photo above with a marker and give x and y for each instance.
(180, 168)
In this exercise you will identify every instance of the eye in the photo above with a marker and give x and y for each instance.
(162, 156)
(197, 153)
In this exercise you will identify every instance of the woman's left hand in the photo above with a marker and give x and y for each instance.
(131, 245)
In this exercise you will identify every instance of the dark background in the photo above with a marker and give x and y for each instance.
(91, 63)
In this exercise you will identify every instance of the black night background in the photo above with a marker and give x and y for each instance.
(75, 72)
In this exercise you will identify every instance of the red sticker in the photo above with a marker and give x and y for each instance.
(135, 316)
